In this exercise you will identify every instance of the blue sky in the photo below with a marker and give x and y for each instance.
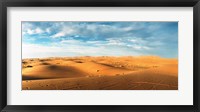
(52, 39)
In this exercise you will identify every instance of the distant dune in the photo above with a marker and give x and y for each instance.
(100, 73)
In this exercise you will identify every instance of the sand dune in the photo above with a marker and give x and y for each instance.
(51, 71)
(100, 73)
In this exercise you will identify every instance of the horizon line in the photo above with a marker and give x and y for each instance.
(101, 56)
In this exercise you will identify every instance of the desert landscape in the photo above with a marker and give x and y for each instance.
(99, 55)
(100, 73)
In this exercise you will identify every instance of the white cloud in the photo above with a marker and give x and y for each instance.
(65, 31)
(77, 42)
(48, 30)
(32, 31)
(138, 47)
(68, 30)
(38, 31)
(60, 34)
(29, 31)
(90, 30)
(115, 42)
(127, 28)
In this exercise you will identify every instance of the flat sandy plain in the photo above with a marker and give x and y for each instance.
(100, 73)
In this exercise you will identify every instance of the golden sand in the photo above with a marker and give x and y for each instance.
(100, 73)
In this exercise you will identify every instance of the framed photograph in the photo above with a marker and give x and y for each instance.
(73, 55)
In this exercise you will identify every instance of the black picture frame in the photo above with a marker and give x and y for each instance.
(99, 3)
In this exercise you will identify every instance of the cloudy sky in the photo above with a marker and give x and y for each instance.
(50, 39)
